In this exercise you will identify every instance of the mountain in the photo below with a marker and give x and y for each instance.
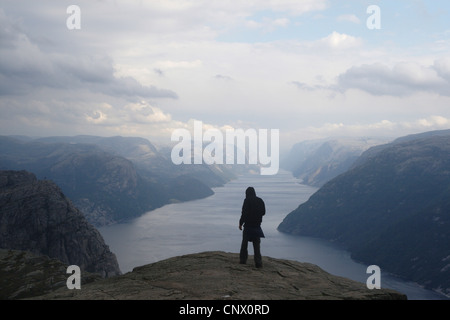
(36, 216)
(102, 183)
(151, 162)
(219, 276)
(106, 187)
(318, 161)
(392, 209)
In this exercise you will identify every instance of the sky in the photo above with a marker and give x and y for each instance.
(311, 68)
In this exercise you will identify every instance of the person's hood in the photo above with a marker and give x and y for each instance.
(250, 192)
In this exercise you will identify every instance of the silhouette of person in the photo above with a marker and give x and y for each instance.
(253, 210)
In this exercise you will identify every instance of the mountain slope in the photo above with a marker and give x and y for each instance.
(318, 161)
(149, 161)
(36, 216)
(391, 209)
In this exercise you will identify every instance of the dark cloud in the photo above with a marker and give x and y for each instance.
(25, 67)
(400, 80)
(403, 79)
(159, 72)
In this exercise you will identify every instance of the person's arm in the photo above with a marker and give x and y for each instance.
(243, 215)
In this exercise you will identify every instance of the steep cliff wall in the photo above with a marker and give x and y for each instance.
(35, 216)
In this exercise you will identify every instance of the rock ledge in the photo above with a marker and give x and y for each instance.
(219, 276)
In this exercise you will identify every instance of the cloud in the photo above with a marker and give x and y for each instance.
(124, 70)
(96, 117)
(442, 67)
(158, 72)
(404, 78)
(268, 24)
(294, 7)
(382, 128)
(231, 7)
(194, 19)
(338, 40)
(143, 112)
(309, 87)
(10, 30)
(348, 18)
(223, 77)
(184, 64)
(24, 67)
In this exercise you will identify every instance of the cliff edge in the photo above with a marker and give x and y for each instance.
(35, 216)
(219, 276)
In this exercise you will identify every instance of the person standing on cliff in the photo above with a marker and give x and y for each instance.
(253, 211)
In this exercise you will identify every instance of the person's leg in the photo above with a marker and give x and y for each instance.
(257, 252)
(243, 255)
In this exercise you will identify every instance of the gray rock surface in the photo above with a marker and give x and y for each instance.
(35, 216)
(219, 276)
(24, 275)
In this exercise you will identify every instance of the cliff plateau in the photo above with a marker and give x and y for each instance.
(219, 276)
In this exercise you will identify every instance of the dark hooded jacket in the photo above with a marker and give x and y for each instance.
(253, 210)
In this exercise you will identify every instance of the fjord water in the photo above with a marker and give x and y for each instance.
(211, 224)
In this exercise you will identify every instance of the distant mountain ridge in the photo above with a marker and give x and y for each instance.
(392, 208)
(150, 161)
(318, 161)
(110, 179)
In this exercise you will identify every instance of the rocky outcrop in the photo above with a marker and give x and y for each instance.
(24, 275)
(36, 216)
(219, 276)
